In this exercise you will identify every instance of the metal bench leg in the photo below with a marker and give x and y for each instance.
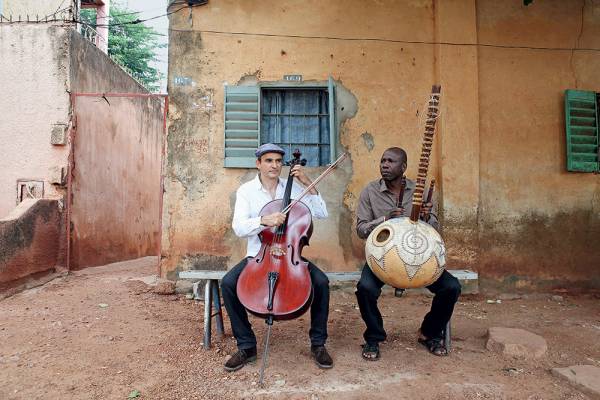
(207, 313)
(447, 338)
(216, 292)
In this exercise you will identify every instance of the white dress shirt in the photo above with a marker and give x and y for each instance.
(251, 198)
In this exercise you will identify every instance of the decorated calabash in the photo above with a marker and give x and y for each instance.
(406, 254)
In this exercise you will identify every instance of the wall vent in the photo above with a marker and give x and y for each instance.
(29, 189)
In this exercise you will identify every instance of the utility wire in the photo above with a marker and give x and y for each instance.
(135, 21)
(358, 39)
(97, 17)
(129, 13)
(58, 11)
(383, 40)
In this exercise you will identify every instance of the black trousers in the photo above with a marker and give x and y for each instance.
(368, 290)
(241, 327)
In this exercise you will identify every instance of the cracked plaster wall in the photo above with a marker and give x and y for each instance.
(199, 194)
(499, 156)
(536, 219)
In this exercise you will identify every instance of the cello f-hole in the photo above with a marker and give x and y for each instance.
(293, 255)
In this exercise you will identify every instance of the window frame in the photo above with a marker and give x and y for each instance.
(248, 162)
(322, 88)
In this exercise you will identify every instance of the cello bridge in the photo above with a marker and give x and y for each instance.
(277, 251)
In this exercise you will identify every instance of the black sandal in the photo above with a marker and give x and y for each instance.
(434, 345)
(370, 352)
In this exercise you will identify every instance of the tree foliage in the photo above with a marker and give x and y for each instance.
(130, 44)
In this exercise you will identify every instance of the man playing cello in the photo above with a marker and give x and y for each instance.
(378, 202)
(250, 199)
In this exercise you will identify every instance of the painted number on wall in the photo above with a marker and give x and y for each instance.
(182, 81)
(294, 78)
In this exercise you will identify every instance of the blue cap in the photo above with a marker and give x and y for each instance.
(268, 148)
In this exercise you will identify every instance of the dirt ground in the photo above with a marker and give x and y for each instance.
(100, 334)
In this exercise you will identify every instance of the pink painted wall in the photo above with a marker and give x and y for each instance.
(117, 162)
(34, 7)
(34, 98)
(116, 203)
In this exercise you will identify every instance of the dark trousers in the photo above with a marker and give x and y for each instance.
(241, 327)
(368, 290)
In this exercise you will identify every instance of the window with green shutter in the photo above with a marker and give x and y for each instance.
(581, 115)
(299, 116)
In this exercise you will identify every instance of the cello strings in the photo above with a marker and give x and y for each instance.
(278, 231)
(315, 182)
(277, 237)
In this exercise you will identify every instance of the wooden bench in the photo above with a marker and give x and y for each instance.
(212, 295)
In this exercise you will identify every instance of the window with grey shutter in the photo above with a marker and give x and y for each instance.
(242, 125)
(301, 117)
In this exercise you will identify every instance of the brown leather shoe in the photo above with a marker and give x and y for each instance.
(241, 358)
(321, 357)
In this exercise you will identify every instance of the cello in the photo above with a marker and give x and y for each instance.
(284, 292)
(276, 283)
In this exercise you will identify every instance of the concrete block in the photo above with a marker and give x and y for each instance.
(58, 176)
(58, 135)
(517, 343)
(584, 377)
(183, 287)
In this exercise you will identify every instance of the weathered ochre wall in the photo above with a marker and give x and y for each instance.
(381, 85)
(536, 220)
(509, 209)
(458, 129)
